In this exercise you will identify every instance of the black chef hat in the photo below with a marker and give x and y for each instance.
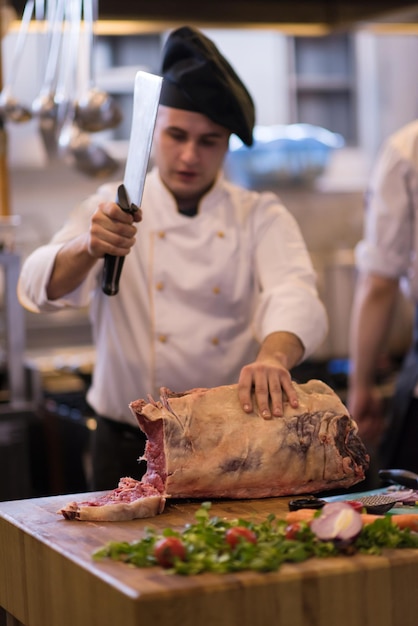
(198, 78)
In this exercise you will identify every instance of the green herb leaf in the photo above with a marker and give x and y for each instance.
(208, 551)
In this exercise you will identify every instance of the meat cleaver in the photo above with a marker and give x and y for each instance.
(129, 196)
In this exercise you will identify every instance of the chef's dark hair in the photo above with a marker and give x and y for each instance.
(197, 77)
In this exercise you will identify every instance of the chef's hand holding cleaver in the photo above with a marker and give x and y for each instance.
(129, 197)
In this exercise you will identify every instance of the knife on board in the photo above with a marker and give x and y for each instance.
(147, 89)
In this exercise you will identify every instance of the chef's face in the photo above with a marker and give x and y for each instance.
(189, 150)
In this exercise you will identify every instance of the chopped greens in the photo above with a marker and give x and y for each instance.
(382, 533)
(207, 549)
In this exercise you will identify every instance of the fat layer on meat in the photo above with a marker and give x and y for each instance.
(201, 444)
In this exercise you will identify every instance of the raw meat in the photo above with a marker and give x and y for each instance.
(201, 444)
(132, 499)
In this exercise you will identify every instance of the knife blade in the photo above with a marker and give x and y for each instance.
(147, 89)
(400, 477)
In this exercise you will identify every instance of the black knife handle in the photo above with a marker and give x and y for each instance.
(402, 477)
(112, 270)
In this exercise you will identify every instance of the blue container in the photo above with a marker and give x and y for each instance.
(294, 154)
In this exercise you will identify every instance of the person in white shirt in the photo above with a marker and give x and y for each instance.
(387, 260)
(217, 284)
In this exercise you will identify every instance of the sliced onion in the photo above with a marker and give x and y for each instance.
(338, 521)
(403, 495)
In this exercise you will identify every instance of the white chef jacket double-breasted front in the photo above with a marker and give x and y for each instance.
(197, 295)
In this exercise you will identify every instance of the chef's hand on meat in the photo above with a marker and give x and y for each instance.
(268, 379)
(112, 230)
(366, 408)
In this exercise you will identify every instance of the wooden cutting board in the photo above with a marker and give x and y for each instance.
(48, 578)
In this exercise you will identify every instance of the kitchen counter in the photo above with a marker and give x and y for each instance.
(47, 577)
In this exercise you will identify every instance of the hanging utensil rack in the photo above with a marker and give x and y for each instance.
(79, 20)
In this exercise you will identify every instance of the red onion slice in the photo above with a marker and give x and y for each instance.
(404, 496)
(338, 521)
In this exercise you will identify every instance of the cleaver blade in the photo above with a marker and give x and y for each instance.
(147, 90)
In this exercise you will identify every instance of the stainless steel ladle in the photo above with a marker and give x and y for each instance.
(74, 144)
(80, 152)
(10, 108)
(45, 107)
(95, 110)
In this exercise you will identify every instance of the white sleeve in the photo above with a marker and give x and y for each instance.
(34, 277)
(36, 269)
(289, 298)
(389, 217)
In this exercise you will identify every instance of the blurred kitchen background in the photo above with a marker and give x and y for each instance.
(329, 87)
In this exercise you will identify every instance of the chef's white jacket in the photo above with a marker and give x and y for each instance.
(390, 244)
(197, 295)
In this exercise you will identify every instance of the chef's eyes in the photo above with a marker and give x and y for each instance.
(209, 141)
(204, 140)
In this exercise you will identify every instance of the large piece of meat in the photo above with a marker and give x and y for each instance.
(201, 444)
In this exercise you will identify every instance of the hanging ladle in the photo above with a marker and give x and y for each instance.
(45, 107)
(10, 108)
(75, 145)
(95, 110)
(86, 156)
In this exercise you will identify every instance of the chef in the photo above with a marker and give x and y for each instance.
(387, 260)
(217, 285)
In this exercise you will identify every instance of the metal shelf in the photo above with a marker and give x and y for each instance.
(14, 325)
